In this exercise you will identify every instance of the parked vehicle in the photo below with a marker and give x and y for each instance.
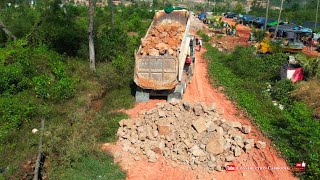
(230, 14)
(247, 19)
(260, 22)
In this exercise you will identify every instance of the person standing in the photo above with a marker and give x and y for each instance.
(200, 44)
(311, 44)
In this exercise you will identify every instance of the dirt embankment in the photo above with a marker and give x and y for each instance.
(200, 90)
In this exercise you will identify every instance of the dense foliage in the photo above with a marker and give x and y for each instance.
(45, 74)
(247, 79)
(25, 71)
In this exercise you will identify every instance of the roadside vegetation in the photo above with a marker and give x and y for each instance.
(274, 105)
(45, 74)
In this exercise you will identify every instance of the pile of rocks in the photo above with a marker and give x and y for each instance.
(193, 134)
(164, 38)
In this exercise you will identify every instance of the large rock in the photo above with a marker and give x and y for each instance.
(250, 142)
(247, 147)
(229, 158)
(196, 151)
(237, 151)
(260, 144)
(129, 123)
(238, 140)
(212, 107)
(226, 126)
(246, 129)
(152, 157)
(200, 125)
(162, 114)
(164, 129)
(212, 127)
(186, 105)
(197, 109)
(215, 144)
(188, 143)
(237, 124)
(204, 107)
(159, 147)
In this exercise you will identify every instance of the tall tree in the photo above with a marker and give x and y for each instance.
(63, 2)
(214, 10)
(315, 23)
(91, 35)
(110, 4)
(267, 14)
(7, 31)
(276, 31)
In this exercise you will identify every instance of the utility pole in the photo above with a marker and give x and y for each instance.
(278, 19)
(315, 23)
(214, 9)
(267, 13)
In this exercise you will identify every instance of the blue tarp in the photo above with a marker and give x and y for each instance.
(202, 16)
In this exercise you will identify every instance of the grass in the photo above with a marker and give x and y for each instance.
(293, 130)
(97, 166)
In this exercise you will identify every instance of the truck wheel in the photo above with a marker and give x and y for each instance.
(176, 94)
(142, 95)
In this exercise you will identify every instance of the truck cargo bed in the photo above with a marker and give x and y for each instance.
(162, 71)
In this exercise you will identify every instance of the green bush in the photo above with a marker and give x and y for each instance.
(281, 91)
(63, 89)
(203, 35)
(14, 110)
(42, 86)
(258, 34)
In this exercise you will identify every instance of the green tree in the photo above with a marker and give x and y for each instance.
(238, 8)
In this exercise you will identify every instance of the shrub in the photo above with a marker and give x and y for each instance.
(281, 91)
(258, 34)
(63, 89)
(14, 110)
(42, 86)
(203, 35)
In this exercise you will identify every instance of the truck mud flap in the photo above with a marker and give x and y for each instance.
(142, 95)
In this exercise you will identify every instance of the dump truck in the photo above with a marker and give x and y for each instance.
(160, 62)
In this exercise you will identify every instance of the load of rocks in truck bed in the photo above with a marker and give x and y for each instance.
(196, 135)
(163, 38)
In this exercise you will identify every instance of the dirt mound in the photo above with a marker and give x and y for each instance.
(192, 134)
(162, 39)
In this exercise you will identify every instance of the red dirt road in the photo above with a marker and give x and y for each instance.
(200, 90)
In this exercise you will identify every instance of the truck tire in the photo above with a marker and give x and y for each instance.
(176, 94)
(184, 85)
(142, 95)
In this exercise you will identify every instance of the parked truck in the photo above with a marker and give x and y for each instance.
(160, 62)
